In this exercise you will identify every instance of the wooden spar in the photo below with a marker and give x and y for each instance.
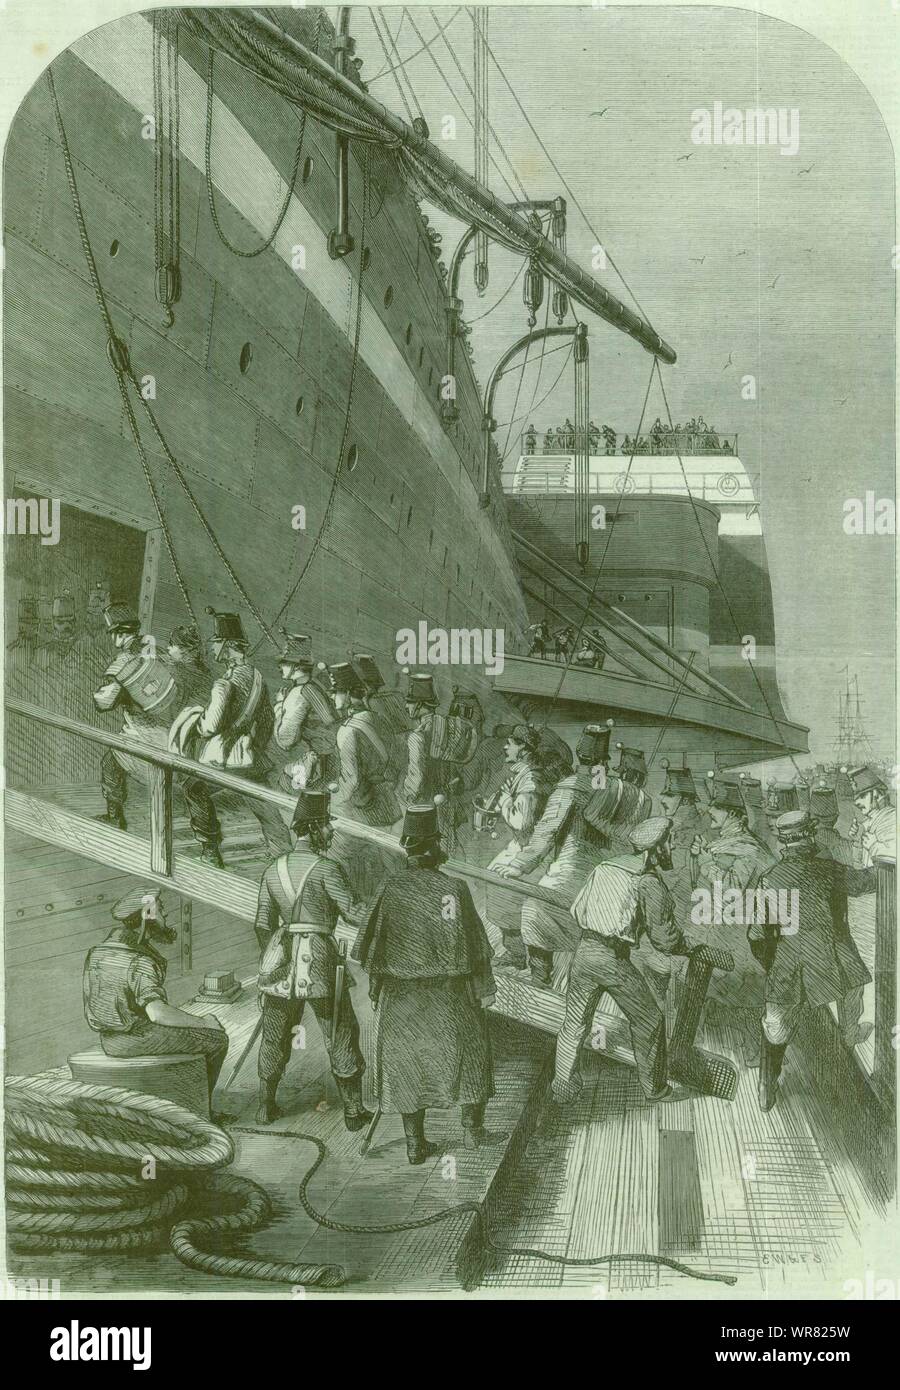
(583, 288)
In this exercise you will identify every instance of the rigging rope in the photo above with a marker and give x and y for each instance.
(210, 190)
(376, 25)
(480, 129)
(384, 71)
(109, 1171)
(167, 180)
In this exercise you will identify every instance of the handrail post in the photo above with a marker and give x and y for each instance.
(161, 820)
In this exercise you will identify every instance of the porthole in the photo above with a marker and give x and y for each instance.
(299, 406)
(388, 296)
(408, 334)
(114, 248)
(307, 169)
(366, 258)
(352, 458)
(246, 357)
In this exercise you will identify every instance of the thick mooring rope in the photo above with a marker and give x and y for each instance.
(108, 1171)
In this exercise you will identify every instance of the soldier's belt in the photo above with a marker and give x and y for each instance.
(309, 929)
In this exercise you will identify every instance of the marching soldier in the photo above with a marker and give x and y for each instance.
(305, 721)
(230, 733)
(185, 654)
(678, 799)
(781, 797)
(387, 706)
(428, 776)
(125, 997)
(754, 805)
(623, 898)
(632, 767)
(301, 897)
(143, 687)
(825, 812)
(878, 833)
(736, 859)
(365, 789)
(428, 960)
(572, 846)
(816, 964)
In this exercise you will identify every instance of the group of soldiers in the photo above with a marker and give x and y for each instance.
(588, 648)
(694, 437)
(615, 877)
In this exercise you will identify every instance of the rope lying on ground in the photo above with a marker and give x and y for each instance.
(103, 1170)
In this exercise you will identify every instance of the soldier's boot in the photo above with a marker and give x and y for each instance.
(474, 1132)
(268, 1110)
(771, 1057)
(356, 1116)
(514, 950)
(540, 962)
(115, 814)
(211, 853)
(417, 1146)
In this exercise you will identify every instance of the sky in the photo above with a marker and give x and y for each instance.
(750, 262)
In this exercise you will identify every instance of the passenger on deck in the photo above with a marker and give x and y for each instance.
(305, 720)
(814, 963)
(301, 897)
(539, 637)
(878, 833)
(572, 846)
(430, 979)
(563, 641)
(519, 802)
(623, 898)
(124, 991)
(678, 800)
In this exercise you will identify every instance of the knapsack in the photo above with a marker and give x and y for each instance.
(453, 739)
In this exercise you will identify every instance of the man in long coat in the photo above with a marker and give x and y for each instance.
(815, 963)
(365, 788)
(428, 960)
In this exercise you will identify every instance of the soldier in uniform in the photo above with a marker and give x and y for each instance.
(231, 733)
(538, 638)
(632, 767)
(428, 960)
(572, 846)
(825, 811)
(814, 965)
(519, 803)
(427, 776)
(735, 859)
(388, 708)
(301, 897)
(365, 789)
(143, 687)
(623, 898)
(562, 642)
(125, 997)
(754, 805)
(185, 653)
(678, 800)
(305, 721)
(781, 797)
(878, 833)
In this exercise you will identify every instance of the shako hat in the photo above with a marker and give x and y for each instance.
(420, 689)
(63, 609)
(345, 678)
(866, 779)
(367, 667)
(725, 795)
(466, 704)
(649, 833)
(297, 650)
(782, 797)
(120, 618)
(679, 781)
(752, 792)
(28, 610)
(227, 627)
(793, 826)
(823, 802)
(593, 743)
(631, 760)
(420, 824)
(187, 637)
(312, 808)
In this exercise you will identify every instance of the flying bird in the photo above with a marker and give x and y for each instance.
(685, 156)
(741, 253)
(775, 281)
(601, 113)
(729, 362)
(806, 171)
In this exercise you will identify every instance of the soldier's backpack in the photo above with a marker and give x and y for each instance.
(453, 739)
(615, 808)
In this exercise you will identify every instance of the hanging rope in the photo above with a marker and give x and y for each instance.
(582, 448)
(210, 190)
(345, 433)
(398, 69)
(480, 129)
(167, 182)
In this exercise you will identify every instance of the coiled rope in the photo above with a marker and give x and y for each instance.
(108, 1171)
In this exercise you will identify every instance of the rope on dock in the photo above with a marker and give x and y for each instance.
(107, 1171)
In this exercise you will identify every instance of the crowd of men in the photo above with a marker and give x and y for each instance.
(693, 437)
(615, 876)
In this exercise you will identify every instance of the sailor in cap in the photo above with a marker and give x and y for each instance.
(142, 685)
(124, 990)
(812, 960)
(735, 859)
(428, 961)
(305, 720)
(231, 732)
(568, 847)
(366, 779)
(878, 830)
(623, 898)
(301, 896)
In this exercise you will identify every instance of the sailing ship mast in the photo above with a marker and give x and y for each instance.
(852, 745)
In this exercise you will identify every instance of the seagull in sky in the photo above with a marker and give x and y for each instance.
(601, 113)
(685, 156)
(729, 362)
(775, 281)
(806, 171)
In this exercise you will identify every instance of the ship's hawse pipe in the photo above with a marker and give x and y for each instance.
(583, 288)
